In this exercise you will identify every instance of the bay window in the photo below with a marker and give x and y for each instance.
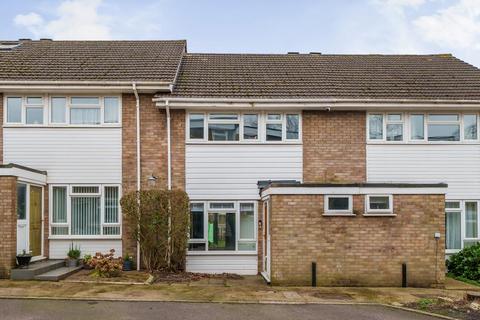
(79, 210)
(222, 226)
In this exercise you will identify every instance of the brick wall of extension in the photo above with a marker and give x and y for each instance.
(153, 132)
(8, 226)
(359, 250)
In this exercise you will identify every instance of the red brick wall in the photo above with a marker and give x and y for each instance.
(8, 225)
(357, 251)
(334, 146)
(153, 134)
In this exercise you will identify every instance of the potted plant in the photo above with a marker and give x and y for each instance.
(73, 256)
(86, 261)
(23, 259)
(127, 263)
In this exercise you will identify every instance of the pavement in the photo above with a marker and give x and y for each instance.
(20, 309)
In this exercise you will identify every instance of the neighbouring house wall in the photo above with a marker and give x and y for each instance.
(8, 225)
(455, 164)
(1, 131)
(231, 171)
(153, 132)
(59, 248)
(358, 250)
(334, 146)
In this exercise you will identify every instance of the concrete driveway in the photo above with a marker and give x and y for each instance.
(63, 309)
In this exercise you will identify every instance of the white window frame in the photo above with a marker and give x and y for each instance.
(386, 122)
(462, 211)
(407, 138)
(42, 106)
(47, 110)
(70, 195)
(236, 209)
(262, 122)
(379, 212)
(333, 212)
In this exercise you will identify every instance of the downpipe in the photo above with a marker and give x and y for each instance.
(137, 105)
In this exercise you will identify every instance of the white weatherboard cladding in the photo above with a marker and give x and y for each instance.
(238, 264)
(59, 248)
(69, 155)
(455, 164)
(216, 171)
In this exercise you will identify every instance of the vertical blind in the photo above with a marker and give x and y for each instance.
(111, 205)
(59, 205)
(86, 219)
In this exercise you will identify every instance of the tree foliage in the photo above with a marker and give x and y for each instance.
(159, 221)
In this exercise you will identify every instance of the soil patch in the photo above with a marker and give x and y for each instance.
(460, 309)
(170, 277)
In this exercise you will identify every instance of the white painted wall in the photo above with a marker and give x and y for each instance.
(237, 264)
(69, 155)
(59, 248)
(216, 171)
(456, 164)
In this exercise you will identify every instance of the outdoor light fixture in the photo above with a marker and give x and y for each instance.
(152, 179)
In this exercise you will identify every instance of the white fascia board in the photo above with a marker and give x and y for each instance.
(350, 190)
(24, 175)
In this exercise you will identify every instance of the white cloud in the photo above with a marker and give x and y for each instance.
(457, 26)
(75, 20)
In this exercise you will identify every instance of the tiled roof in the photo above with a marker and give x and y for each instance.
(47, 60)
(327, 76)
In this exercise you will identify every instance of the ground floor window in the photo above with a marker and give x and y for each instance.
(461, 224)
(85, 210)
(223, 226)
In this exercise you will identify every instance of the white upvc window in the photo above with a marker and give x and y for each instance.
(378, 204)
(443, 127)
(85, 211)
(246, 127)
(394, 127)
(62, 110)
(462, 224)
(223, 227)
(385, 127)
(338, 205)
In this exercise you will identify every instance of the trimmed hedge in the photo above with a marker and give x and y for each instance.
(466, 263)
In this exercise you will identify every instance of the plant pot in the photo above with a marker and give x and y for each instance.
(23, 260)
(72, 263)
(127, 265)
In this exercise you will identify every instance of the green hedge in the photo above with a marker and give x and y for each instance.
(466, 263)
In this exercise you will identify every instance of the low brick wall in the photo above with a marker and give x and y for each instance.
(8, 225)
(357, 250)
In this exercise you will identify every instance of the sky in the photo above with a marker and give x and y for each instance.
(259, 26)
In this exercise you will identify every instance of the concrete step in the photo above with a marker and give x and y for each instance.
(57, 274)
(36, 268)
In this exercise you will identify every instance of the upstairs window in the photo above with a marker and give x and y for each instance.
(34, 110)
(250, 127)
(394, 127)
(14, 110)
(85, 110)
(375, 126)
(417, 127)
(223, 127)
(443, 127)
(470, 127)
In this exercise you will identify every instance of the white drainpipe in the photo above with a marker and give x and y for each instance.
(169, 148)
(134, 86)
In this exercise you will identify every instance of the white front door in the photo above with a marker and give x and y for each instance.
(266, 241)
(22, 218)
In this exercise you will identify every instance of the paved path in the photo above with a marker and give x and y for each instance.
(61, 309)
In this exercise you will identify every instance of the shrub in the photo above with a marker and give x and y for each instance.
(160, 220)
(106, 265)
(466, 263)
(87, 258)
(74, 252)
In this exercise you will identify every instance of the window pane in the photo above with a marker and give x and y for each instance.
(196, 246)
(223, 116)
(452, 205)
(470, 125)
(274, 132)
(338, 203)
(21, 201)
(86, 216)
(395, 132)
(111, 205)
(247, 246)
(221, 231)
(274, 116)
(222, 205)
(85, 116)
(394, 117)
(443, 117)
(59, 205)
(14, 110)
(111, 106)
(247, 221)
(443, 132)
(86, 100)
(250, 126)
(59, 106)
(111, 230)
(453, 232)
(85, 190)
(34, 115)
(35, 100)
(417, 127)
(375, 127)
(471, 220)
(379, 203)
(196, 221)
(196, 126)
(59, 230)
(223, 132)
(292, 126)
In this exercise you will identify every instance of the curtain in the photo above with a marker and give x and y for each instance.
(471, 220)
(85, 115)
(453, 228)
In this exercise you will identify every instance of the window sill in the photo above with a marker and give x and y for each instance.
(244, 142)
(221, 253)
(379, 215)
(339, 215)
(115, 237)
(45, 126)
